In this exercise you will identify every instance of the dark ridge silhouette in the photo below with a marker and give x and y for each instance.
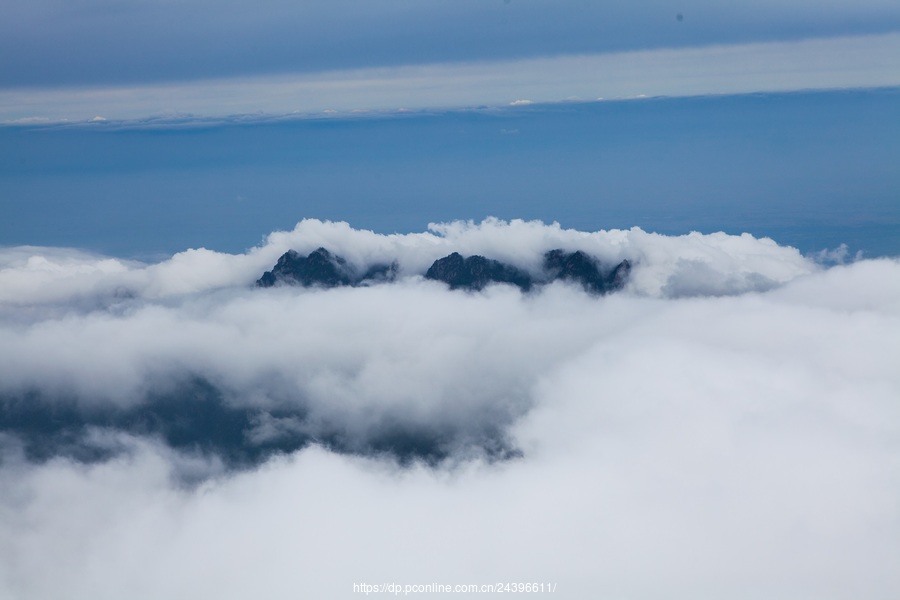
(321, 268)
(618, 277)
(476, 272)
(191, 417)
(584, 269)
(194, 416)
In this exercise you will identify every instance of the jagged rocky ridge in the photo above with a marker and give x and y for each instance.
(321, 268)
(476, 272)
(584, 269)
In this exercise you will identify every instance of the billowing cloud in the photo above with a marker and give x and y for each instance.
(121, 345)
(724, 426)
(33, 276)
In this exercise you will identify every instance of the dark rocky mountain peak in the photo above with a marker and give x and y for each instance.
(321, 268)
(582, 268)
(619, 276)
(476, 272)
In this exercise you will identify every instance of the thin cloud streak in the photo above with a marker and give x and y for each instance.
(103, 42)
(848, 62)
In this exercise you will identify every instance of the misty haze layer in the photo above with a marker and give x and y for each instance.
(727, 422)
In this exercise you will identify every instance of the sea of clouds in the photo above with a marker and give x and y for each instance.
(727, 426)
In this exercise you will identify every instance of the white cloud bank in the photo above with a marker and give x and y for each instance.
(827, 63)
(726, 427)
(36, 276)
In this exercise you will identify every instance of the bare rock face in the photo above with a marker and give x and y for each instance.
(618, 277)
(476, 272)
(581, 268)
(321, 268)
